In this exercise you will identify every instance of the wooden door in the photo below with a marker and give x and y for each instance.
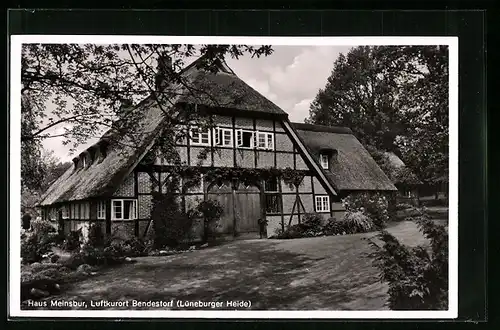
(242, 208)
(224, 195)
(248, 209)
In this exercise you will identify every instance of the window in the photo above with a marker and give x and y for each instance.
(265, 140)
(271, 184)
(200, 136)
(223, 137)
(101, 210)
(84, 162)
(323, 159)
(123, 209)
(244, 139)
(72, 211)
(273, 204)
(53, 214)
(322, 203)
(65, 212)
(85, 210)
(273, 199)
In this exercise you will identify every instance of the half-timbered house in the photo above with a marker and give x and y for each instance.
(112, 184)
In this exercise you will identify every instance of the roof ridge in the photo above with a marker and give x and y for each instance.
(322, 128)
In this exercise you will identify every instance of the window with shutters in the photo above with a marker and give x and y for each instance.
(223, 137)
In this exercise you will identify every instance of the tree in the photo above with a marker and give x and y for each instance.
(394, 99)
(51, 169)
(81, 90)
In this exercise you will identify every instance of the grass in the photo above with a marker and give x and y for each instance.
(323, 273)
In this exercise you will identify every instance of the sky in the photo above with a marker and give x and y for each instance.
(290, 77)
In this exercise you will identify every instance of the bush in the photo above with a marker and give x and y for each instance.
(72, 241)
(373, 205)
(112, 252)
(170, 225)
(96, 235)
(294, 231)
(417, 276)
(359, 222)
(211, 211)
(312, 222)
(39, 241)
(135, 247)
(311, 226)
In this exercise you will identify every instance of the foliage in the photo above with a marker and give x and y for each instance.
(254, 176)
(41, 169)
(38, 242)
(314, 225)
(394, 98)
(417, 276)
(211, 210)
(352, 223)
(171, 225)
(96, 235)
(73, 240)
(111, 252)
(311, 226)
(375, 205)
(76, 91)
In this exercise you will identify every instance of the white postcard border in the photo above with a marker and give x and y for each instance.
(15, 175)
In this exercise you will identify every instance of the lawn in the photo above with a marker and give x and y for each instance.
(323, 273)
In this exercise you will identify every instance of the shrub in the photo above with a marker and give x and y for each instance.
(170, 224)
(72, 241)
(417, 276)
(311, 226)
(96, 235)
(373, 205)
(38, 241)
(294, 231)
(359, 222)
(112, 254)
(313, 222)
(211, 211)
(352, 223)
(135, 247)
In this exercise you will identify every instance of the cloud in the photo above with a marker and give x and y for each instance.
(300, 110)
(293, 77)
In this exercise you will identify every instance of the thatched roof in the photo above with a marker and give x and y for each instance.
(353, 168)
(226, 90)
(103, 177)
(223, 89)
(399, 172)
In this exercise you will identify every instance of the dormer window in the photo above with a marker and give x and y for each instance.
(323, 160)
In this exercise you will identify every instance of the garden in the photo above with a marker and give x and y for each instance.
(51, 260)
